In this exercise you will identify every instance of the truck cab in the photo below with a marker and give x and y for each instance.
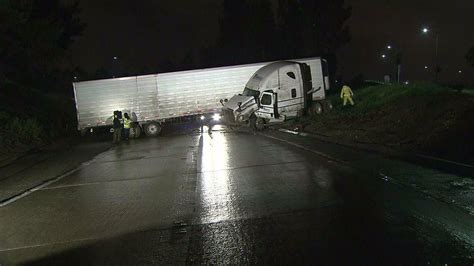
(276, 92)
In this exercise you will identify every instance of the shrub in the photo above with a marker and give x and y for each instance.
(24, 131)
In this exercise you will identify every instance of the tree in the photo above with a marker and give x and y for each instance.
(247, 31)
(250, 31)
(313, 27)
(35, 37)
(470, 56)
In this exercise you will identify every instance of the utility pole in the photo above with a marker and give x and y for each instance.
(396, 55)
(437, 67)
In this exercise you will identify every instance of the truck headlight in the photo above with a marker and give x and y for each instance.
(216, 117)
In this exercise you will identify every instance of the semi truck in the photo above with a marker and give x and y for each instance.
(154, 100)
(280, 91)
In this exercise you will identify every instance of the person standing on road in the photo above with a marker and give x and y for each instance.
(346, 95)
(117, 124)
(127, 123)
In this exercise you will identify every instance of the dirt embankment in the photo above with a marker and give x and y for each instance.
(440, 124)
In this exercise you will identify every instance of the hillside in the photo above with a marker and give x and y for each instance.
(417, 118)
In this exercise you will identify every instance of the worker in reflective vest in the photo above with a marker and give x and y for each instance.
(117, 125)
(127, 124)
(346, 95)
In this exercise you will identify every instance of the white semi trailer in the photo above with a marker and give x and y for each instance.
(279, 91)
(152, 100)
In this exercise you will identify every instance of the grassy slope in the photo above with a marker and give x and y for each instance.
(423, 117)
(29, 117)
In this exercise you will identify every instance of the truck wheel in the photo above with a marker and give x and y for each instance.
(252, 120)
(152, 129)
(135, 132)
(316, 109)
(260, 124)
(257, 123)
(327, 106)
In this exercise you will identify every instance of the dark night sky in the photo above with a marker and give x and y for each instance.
(149, 32)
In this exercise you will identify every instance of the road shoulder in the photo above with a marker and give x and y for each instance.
(455, 190)
(36, 169)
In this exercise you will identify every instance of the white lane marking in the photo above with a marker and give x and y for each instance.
(42, 185)
(98, 183)
(50, 244)
(288, 131)
(247, 166)
(48, 182)
(446, 161)
(307, 149)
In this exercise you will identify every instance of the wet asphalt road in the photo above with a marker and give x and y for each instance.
(220, 198)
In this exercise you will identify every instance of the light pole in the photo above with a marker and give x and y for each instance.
(437, 69)
(395, 50)
(114, 66)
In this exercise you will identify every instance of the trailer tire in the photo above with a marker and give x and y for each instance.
(152, 129)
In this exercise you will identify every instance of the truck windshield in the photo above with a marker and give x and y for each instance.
(249, 92)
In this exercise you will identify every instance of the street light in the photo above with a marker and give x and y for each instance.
(384, 55)
(426, 67)
(114, 66)
(425, 30)
(459, 71)
(389, 47)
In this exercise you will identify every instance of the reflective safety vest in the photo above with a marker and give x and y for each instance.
(346, 91)
(127, 123)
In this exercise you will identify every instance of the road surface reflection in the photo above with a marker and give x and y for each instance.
(215, 183)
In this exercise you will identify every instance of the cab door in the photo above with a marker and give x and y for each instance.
(290, 95)
(267, 105)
